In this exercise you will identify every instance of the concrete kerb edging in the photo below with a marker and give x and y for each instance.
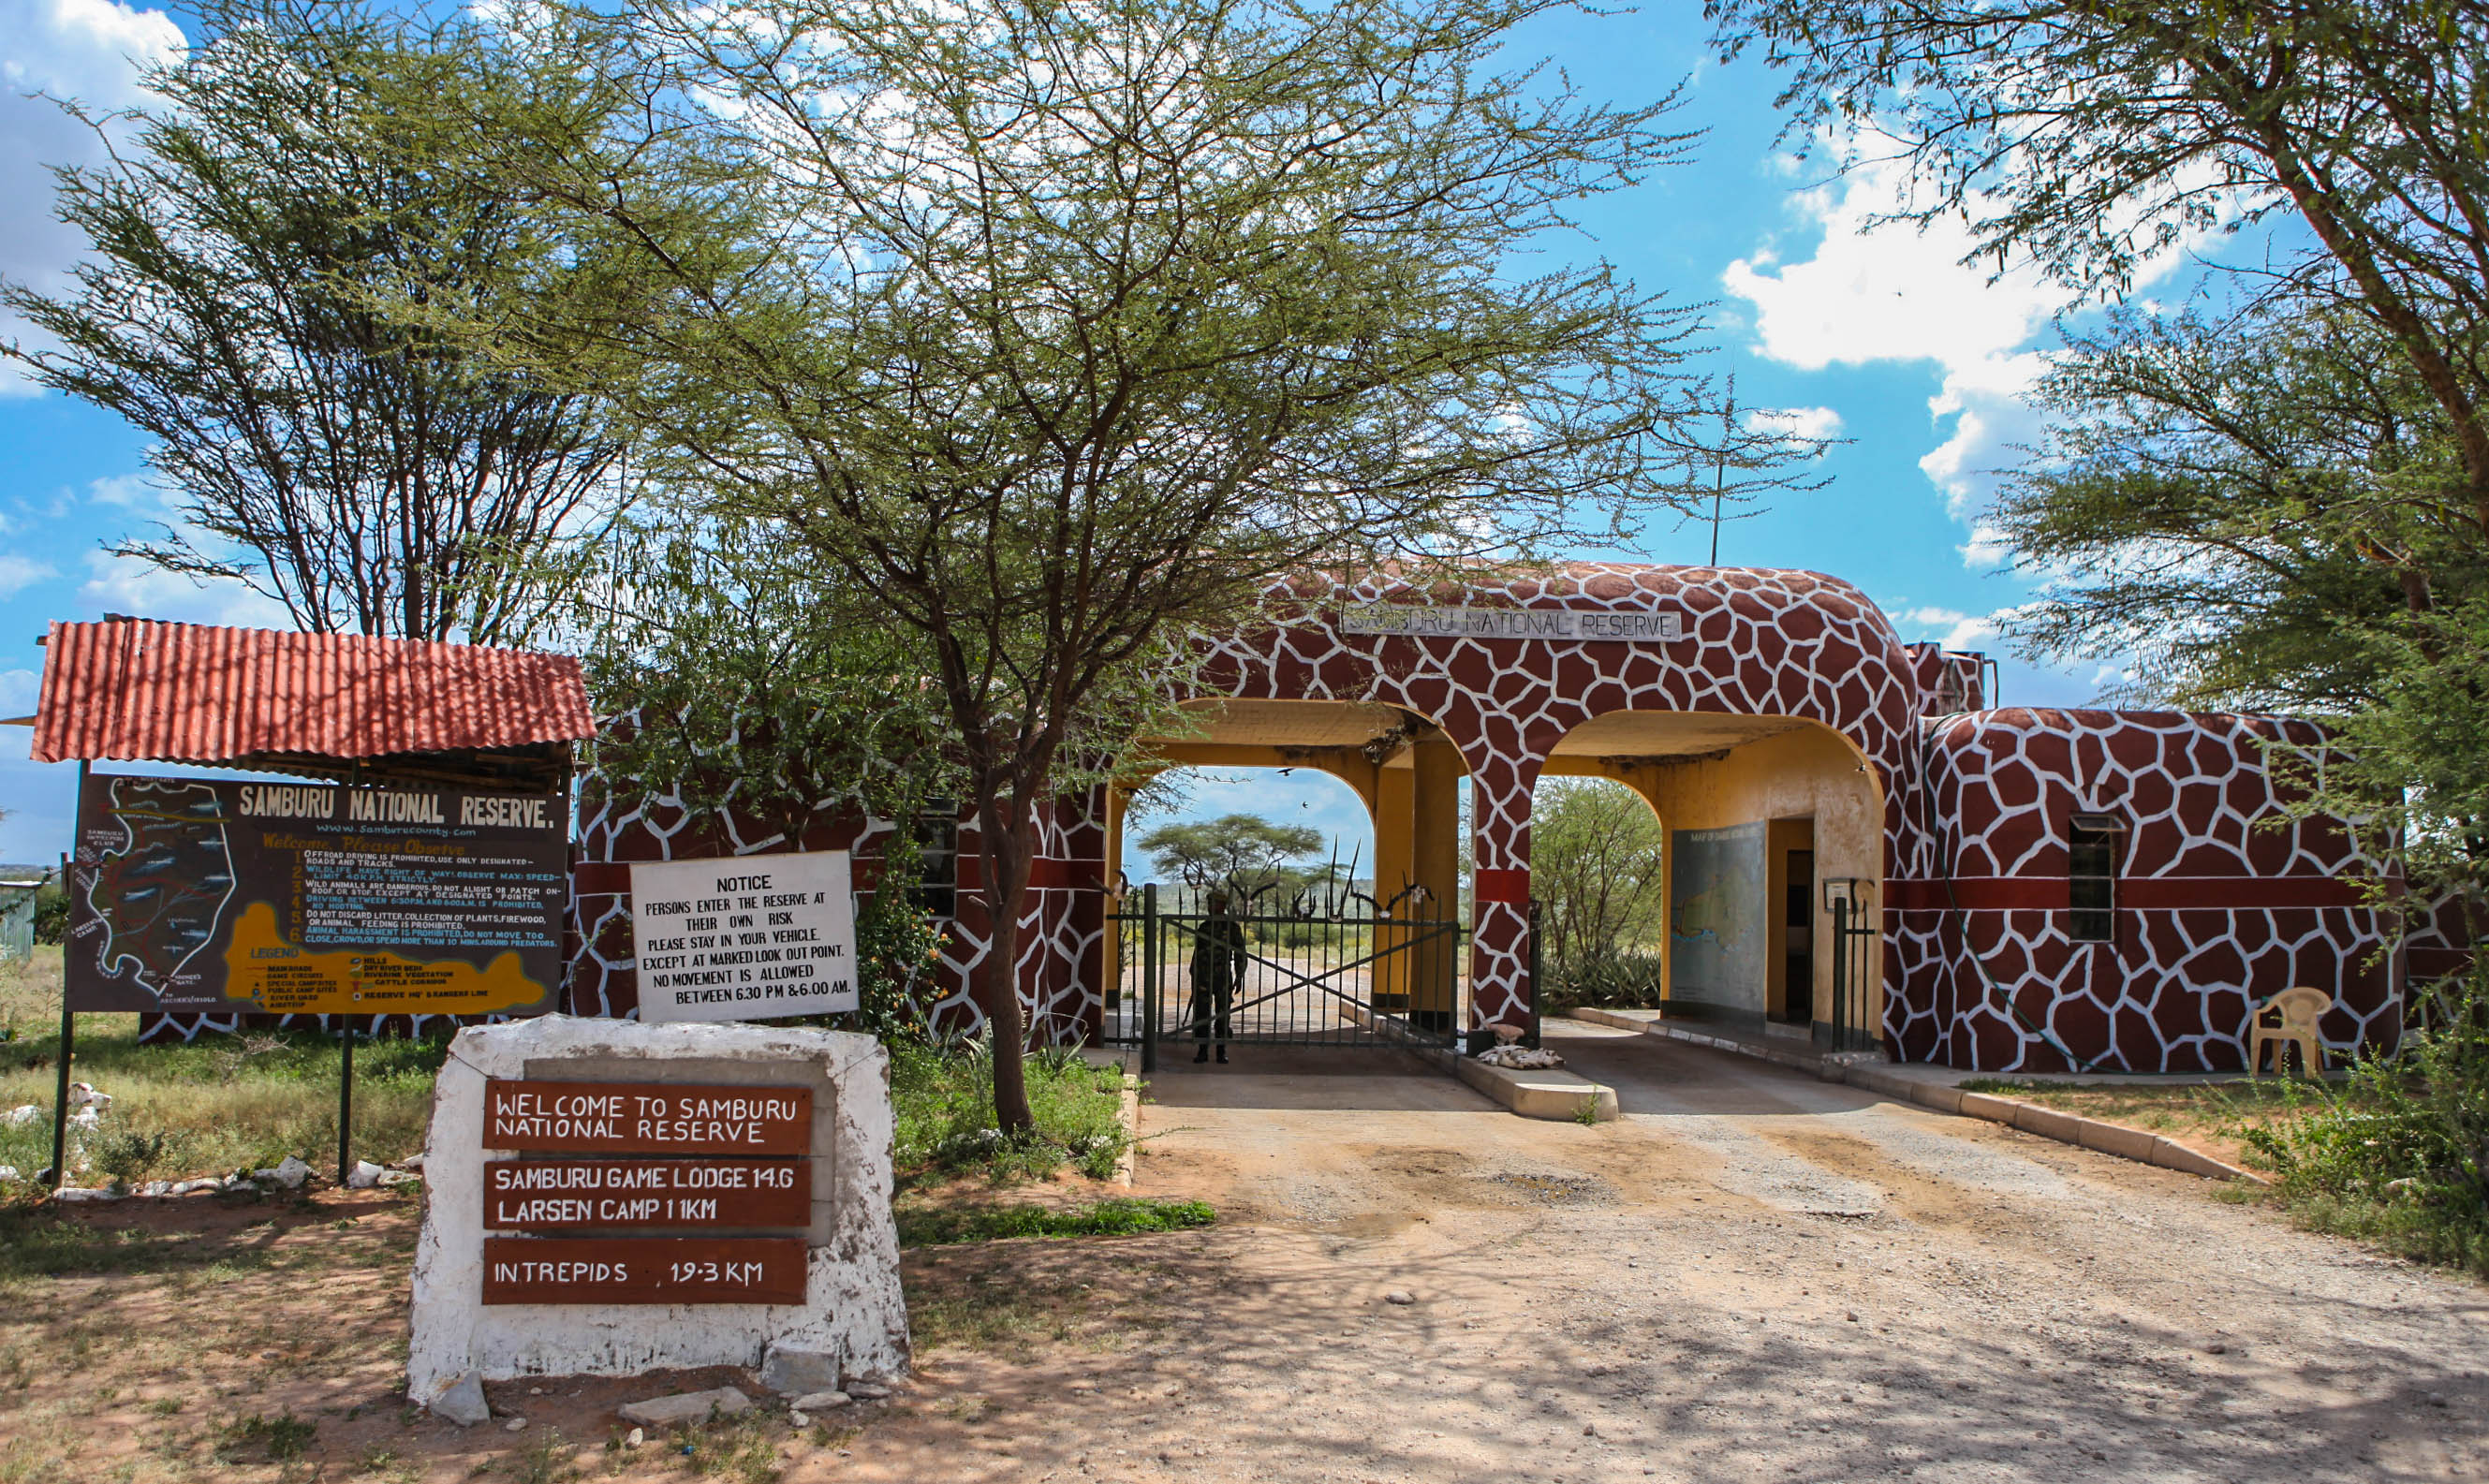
(2139, 1145)
(1540, 1092)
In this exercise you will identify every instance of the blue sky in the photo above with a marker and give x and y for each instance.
(1876, 335)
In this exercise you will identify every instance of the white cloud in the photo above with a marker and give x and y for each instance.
(1987, 549)
(88, 50)
(1884, 293)
(1949, 627)
(1893, 292)
(19, 573)
(126, 584)
(127, 491)
(17, 691)
(1798, 422)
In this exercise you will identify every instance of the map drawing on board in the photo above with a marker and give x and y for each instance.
(1716, 923)
(161, 896)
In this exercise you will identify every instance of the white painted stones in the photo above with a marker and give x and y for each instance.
(851, 1318)
(685, 1407)
(790, 1370)
(459, 1400)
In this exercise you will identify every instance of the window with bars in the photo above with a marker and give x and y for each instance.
(2095, 845)
(937, 846)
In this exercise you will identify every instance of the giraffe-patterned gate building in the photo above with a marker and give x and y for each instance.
(2043, 888)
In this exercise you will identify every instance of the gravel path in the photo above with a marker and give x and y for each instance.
(1751, 1275)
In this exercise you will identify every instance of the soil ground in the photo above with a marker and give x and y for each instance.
(1751, 1275)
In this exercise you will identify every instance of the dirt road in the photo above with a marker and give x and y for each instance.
(1751, 1275)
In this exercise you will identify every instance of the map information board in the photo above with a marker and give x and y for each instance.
(213, 895)
(1716, 923)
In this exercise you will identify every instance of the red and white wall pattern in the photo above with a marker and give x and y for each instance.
(2224, 898)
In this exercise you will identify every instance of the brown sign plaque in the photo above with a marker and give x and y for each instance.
(531, 1195)
(643, 1269)
(647, 1118)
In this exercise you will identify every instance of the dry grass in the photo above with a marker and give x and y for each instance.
(225, 1103)
(215, 1340)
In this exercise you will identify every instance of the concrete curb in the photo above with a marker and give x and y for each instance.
(1539, 1091)
(2140, 1144)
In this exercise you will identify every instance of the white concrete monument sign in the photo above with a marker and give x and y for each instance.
(604, 1198)
(749, 938)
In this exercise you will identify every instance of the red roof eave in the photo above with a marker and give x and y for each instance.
(133, 689)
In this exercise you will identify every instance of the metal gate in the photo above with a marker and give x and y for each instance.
(1852, 961)
(1333, 970)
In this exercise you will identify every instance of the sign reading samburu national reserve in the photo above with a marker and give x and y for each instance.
(208, 895)
(647, 1118)
(1564, 624)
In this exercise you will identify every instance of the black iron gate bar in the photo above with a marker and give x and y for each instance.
(1433, 930)
(1380, 1017)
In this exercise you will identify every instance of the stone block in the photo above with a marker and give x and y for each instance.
(1544, 1092)
(2047, 1122)
(2171, 1155)
(461, 1400)
(789, 1371)
(2118, 1139)
(685, 1407)
(819, 1401)
(1936, 1096)
(1996, 1110)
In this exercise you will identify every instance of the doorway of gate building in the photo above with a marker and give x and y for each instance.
(1290, 876)
(1771, 857)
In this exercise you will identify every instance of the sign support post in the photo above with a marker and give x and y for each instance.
(68, 1029)
(61, 1103)
(345, 1100)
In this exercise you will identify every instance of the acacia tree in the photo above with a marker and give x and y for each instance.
(1065, 331)
(249, 245)
(1245, 852)
(1597, 856)
(775, 707)
(2286, 502)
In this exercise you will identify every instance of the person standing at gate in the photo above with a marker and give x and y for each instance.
(1217, 968)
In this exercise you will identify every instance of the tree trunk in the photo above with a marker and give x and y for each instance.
(1007, 846)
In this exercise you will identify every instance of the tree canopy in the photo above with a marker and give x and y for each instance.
(1242, 853)
(252, 246)
(1059, 333)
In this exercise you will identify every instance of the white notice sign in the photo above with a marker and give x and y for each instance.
(1563, 624)
(750, 938)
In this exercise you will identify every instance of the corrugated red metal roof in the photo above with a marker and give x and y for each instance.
(132, 688)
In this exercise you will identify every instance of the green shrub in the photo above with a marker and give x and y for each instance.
(942, 1102)
(130, 1154)
(1620, 978)
(2400, 1155)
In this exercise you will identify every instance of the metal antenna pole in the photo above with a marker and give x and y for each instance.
(1719, 482)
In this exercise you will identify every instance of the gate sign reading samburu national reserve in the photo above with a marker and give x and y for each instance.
(745, 939)
(1415, 622)
(212, 896)
(770, 1189)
